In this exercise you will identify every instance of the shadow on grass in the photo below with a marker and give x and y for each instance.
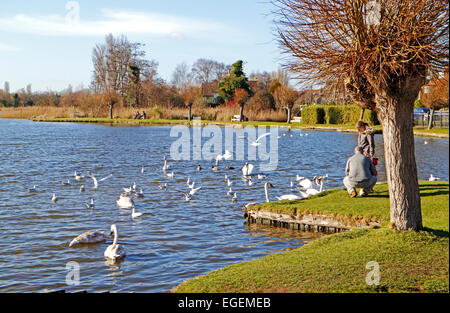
(437, 232)
(437, 193)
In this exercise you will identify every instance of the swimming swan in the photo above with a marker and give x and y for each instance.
(95, 236)
(267, 185)
(247, 169)
(125, 202)
(135, 214)
(114, 251)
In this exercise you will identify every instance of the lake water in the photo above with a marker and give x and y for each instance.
(175, 240)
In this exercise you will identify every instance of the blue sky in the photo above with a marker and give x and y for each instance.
(42, 43)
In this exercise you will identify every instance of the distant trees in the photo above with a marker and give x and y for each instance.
(206, 70)
(189, 94)
(287, 97)
(182, 76)
(119, 69)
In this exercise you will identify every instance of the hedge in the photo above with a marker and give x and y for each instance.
(336, 114)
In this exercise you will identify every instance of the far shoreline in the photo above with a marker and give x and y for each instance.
(419, 131)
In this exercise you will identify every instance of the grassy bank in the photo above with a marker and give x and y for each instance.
(409, 261)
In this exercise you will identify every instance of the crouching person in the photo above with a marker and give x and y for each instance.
(360, 174)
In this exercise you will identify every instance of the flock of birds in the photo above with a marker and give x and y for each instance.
(301, 188)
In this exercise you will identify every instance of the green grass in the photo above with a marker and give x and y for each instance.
(155, 122)
(409, 261)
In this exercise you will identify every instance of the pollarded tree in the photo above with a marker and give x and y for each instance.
(287, 97)
(189, 95)
(240, 97)
(382, 50)
(436, 96)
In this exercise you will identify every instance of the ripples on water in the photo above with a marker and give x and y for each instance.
(175, 240)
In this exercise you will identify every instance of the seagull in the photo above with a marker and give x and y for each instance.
(247, 169)
(229, 182)
(77, 176)
(230, 192)
(192, 185)
(170, 175)
(90, 205)
(54, 198)
(139, 194)
(199, 168)
(214, 168)
(97, 181)
(127, 190)
(226, 156)
(234, 199)
(82, 189)
(432, 178)
(194, 190)
(32, 189)
(261, 176)
(142, 170)
(135, 214)
(66, 183)
(163, 186)
(188, 196)
(257, 143)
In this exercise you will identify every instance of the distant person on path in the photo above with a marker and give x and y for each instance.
(137, 115)
(360, 173)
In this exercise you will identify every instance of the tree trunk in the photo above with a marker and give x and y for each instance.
(289, 115)
(362, 114)
(241, 118)
(430, 119)
(111, 105)
(190, 111)
(395, 116)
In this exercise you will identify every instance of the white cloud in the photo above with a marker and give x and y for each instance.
(112, 21)
(9, 48)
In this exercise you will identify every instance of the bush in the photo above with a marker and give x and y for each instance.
(336, 114)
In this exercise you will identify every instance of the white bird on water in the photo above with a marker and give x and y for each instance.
(247, 169)
(432, 178)
(267, 185)
(165, 166)
(95, 236)
(125, 202)
(33, 189)
(77, 176)
(54, 198)
(114, 251)
(135, 214)
(66, 183)
(82, 188)
(97, 181)
(170, 175)
(226, 156)
(90, 205)
(139, 194)
(234, 199)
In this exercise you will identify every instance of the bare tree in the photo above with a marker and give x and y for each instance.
(182, 76)
(287, 97)
(189, 95)
(382, 50)
(206, 70)
(436, 96)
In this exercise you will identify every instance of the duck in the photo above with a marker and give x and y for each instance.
(229, 168)
(214, 168)
(90, 205)
(125, 202)
(95, 236)
(115, 251)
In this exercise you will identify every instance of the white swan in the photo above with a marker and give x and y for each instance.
(267, 185)
(165, 166)
(432, 178)
(114, 251)
(247, 169)
(97, 181)
(95, 236)
(289, 197)
(135, 214)
(125, 202)
(305, 183)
